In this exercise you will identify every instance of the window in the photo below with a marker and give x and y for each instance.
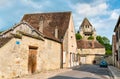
(73, 57)
(64, 57)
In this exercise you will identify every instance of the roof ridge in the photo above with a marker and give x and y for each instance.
(48, 12)
(85, 22)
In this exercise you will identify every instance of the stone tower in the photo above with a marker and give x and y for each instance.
(86, 30)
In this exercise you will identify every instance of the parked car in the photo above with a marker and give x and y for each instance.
(103, 63)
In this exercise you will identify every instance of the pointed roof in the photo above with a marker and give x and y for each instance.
(86, 22)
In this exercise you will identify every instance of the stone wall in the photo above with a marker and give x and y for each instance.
(14, 57)
(69, 45)
(92, 54)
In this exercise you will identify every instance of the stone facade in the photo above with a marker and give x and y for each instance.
(87, 56)
(70, 46)
(86, 29)
(116, 44)
(15, 54)
(114, 52)
(90, 51)
(61, 23)
(38, 43)
(14, 60)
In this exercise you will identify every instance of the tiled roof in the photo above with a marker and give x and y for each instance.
(86, 22)
(51, 20)
(3, 41)
(88, 44)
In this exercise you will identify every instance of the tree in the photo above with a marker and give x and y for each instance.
(1, 32)
(106, 43)
(100, 40)
(106, 40)
(78, 36)
(90, 38)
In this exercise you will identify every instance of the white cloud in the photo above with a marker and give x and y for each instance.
(5, 3)
(37, 4)
(99, 14)
(91, 10)
(31, 3)
(115, 14)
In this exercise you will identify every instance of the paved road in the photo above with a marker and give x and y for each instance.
(85, 72)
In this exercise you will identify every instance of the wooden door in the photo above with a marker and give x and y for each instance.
(32, 60)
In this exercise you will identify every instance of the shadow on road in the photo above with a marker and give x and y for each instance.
(65, 77)
(95, 69)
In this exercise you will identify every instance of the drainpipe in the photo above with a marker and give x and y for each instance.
(61, 66)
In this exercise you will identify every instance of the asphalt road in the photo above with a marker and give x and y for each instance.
(85, 72)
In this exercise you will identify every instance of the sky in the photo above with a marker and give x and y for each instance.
(103, 14)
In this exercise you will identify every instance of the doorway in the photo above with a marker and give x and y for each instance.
(32, 59)
(83, 60)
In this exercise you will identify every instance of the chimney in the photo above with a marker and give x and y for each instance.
(56, 32)
(93, 44)
(41, 24)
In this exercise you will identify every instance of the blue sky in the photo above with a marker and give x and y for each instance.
(103, 14)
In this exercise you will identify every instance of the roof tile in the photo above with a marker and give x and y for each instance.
(51, 20)
(88, 44)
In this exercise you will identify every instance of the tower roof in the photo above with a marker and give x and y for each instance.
(86, 22)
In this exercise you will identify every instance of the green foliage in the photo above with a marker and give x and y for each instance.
(78, 36)
(106, 40)
(108, 52)
(90, 38)
(0, 31)
(100, 40)
(106, 43)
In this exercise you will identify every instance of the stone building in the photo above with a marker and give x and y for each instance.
(114, 52)
(86, 29)
(116, 44)
(91, 51)
(40, 42)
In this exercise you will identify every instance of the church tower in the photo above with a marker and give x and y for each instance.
(86, 30)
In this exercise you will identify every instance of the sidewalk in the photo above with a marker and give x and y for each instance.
(115, 72)
(44, 75)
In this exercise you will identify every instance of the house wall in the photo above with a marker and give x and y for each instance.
(7, 58)
(92, 54)
(52, 56)
(117, 33)
(72, 44)
(21, 27)
(14, 57)
(114, 54)
(69, 46)
(65, 50)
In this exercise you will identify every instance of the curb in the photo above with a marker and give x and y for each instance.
(113, 72)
